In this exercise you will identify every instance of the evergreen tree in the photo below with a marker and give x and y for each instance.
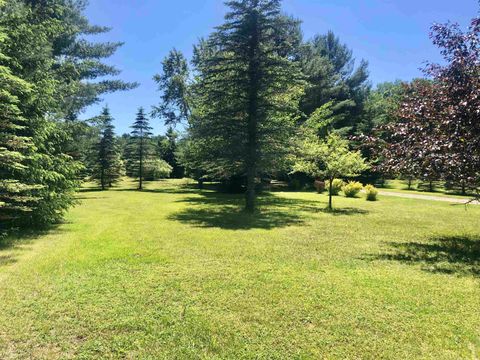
(330, 69)
(107, 169)
(140, 146)
(167, 150)
(381, 106)
(31, 31)
(15, 147)
(173, 83)
(246, 94)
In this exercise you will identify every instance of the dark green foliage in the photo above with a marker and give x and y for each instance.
(49, 74)
(167, 150)
(140, 146)
(108, 165)
(246, 94)
(173, 83)
(330, 69)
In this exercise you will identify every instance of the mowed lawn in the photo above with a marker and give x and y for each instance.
(178, 273)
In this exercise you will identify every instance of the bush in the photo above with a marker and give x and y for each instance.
(371, 192)
(352, 189)
(319, 186)
(337, 185)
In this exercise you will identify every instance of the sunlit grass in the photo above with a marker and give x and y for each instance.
(173, 272)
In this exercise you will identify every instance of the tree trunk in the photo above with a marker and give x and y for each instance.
(200, 184)
(252, 131)
(140, 185)
(430, 185)
(102, 178)
(409, 184)
(330, 197)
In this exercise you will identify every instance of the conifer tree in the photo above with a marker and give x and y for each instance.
(140, 145)
(107, 169)
(333, 78)
(246, 95)
(15, 147)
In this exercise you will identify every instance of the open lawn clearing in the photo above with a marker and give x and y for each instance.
(173, 272)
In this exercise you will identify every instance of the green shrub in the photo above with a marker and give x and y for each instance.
(352, 189)
(371, 192)
(337, 185)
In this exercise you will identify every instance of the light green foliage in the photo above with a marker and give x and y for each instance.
(15, 146)
(381, 106)
(335, 187)
(156, 169)
(192, 276)
(371, 192)
(352, 189)
(329, 158)
(320, 122)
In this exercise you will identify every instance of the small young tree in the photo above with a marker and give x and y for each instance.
(330, 158)
(140, 145)
(107, 168)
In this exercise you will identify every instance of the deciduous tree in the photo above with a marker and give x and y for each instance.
(329, 158)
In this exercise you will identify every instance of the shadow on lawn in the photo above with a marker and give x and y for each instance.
(458, 255)
(212, 209)
(17, 241)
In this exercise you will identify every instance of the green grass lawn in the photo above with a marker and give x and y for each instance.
(401, 186)
(173, 272)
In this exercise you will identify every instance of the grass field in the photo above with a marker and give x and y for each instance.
(439, 189)
(176, 273)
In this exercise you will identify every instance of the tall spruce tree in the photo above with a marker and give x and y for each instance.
(140, 145)
(246, 94)
(107, 169)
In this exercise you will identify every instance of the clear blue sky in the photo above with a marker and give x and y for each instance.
(391, 34)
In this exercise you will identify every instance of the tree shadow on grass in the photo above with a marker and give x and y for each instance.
(459, 255)
(17, 241)
(212, 209)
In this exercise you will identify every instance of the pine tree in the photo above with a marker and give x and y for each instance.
(333, 78)
(247, 94)
(140, 145)
(107, 169)
(174, 104)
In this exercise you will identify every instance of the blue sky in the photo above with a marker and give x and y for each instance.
(392, 35)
